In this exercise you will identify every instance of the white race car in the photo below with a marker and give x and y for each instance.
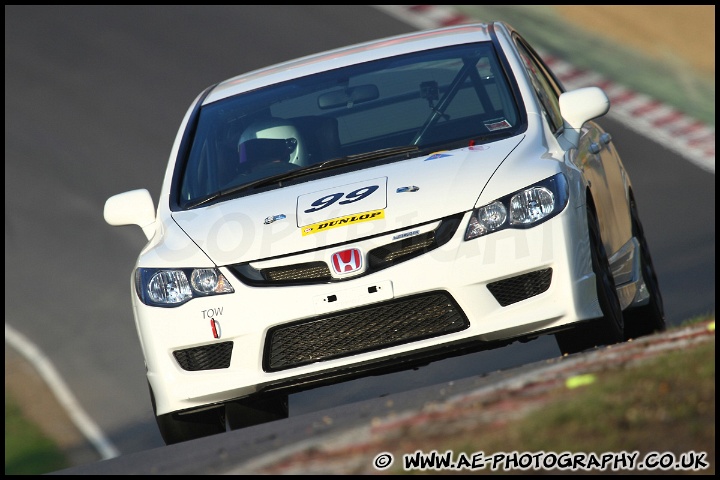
(374, 206)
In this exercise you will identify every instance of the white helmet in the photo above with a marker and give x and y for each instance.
(278, 129)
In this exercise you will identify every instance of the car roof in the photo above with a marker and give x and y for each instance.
(350, 55)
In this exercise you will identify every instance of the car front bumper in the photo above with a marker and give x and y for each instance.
(511, 284)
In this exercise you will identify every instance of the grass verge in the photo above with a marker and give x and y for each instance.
(27, 450)
(664, 405)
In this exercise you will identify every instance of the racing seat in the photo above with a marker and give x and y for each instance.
(322, 136)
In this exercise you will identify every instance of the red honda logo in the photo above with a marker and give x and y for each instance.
(347, 261)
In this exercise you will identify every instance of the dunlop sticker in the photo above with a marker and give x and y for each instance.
(343, 221)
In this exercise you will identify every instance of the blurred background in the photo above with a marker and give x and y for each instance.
(93, 99)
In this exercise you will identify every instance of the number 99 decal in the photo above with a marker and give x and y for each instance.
(344, 200)
(351, 197)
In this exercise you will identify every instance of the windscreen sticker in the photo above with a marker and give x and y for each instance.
(343, 221)
(437, 155)
(497, 124)
(341, 202)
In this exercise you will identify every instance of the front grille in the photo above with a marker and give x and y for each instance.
(402, 250)
(298, 272)
(378, 258)
(206, 357)
(515, 289)
(361, 330)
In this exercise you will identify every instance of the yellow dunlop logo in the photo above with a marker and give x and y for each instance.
(341, 221)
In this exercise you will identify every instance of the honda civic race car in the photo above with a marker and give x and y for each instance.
(373, 206)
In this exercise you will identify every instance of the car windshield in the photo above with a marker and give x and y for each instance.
(417, 103)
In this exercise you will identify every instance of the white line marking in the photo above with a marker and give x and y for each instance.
(50, 375)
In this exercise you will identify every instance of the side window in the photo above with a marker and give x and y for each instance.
(547, 90)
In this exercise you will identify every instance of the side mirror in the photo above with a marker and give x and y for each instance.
(131, 208)
(579, 106)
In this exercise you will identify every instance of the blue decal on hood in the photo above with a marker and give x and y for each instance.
(437, 155)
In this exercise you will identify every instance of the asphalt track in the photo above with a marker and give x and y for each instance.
(93, 98)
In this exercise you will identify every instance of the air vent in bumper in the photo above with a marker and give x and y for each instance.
(362, 329)
(522, 287)
(205, 357)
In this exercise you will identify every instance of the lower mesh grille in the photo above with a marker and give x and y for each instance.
(515, 289)
(361, 330)
(206, 357)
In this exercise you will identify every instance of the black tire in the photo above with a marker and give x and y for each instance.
(176, 428)
(649, 318)
(608, 329)
(256, 410)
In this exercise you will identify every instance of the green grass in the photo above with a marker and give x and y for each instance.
(666, 404)
(27, 450)
(669, 405)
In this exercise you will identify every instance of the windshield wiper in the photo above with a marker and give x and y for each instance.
(319, 167)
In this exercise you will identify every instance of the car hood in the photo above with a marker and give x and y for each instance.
(341, 208)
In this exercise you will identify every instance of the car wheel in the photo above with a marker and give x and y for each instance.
(176, 428)
(649, 318)
(609, 329)
(256, 410)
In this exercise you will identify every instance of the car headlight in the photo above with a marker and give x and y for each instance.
(522, 209)
(173, 287)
